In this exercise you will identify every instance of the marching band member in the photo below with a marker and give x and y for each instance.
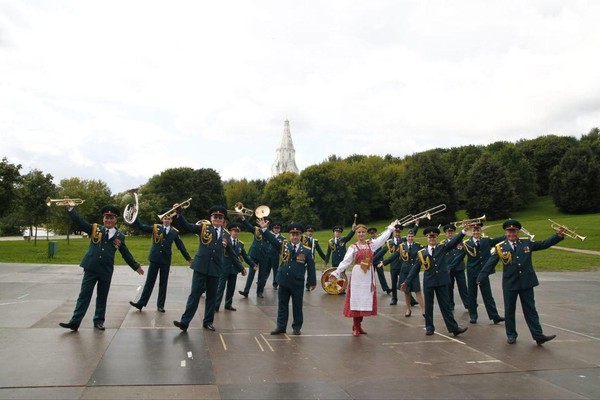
(98, 264)
(436, 279)
(336, 246)
(214, 242)
(163, 237)
(478, 249)
(402, 260)
(274, 253)
(361, 299)
(259, 251)
(456, 268)
(519, 278)
(296, 261)
(231, 270)
(313, 244)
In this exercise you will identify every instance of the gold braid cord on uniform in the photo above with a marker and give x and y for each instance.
(96, 234)
(471, 251)
(331, 244)
(403, 253)
(505, 256)
(425, 261)
(205, 236)
(258, 233)
(155, 235)
(285, 252)
(391, 247)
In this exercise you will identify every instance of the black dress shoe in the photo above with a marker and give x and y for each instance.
(160, 309)
(278, 331)
(429, 332)
(511, 340)
(472, 321)
(259, 295)
(69, 325)
(243, 293)
(498, 319)
(297, 332)
(210, 327)
(136, 305)
(99, 326)
(544, 339)
(275, 287)
(394, 302)
(216, 309)
(230, 308)
(180, 325)
(413, 302)
(459, 331)
(308, 289)
(388, 291)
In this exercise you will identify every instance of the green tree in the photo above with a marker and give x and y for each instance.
(461, 159)
(544, 153)
(247, 192)
(301, 207)
(575, 181)
(10, 178)
(33, 190)
(489, 190)
(425, 185)
(277, 196)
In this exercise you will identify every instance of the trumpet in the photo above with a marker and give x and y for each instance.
(179, 206)
(426, 214)
(525, 231)
(64, 202)
(131, 210)
(239, 209)
(468, 222)
(567, 232)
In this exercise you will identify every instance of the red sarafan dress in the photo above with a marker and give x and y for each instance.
(361, 297)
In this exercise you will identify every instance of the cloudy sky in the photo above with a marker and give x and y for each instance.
(122, 90)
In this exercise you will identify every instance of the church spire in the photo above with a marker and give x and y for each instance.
(286, 155)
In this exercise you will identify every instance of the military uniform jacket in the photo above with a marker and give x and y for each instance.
(403, 258)
(436, 267)
(314, 246)
(233, 268)
(477, 257)
(209, 257)
(518, 272)
(274, 251)
(456, 257)
(259, 250)
(100, 256)
(294, 267)
(337, 251)
(160, 252)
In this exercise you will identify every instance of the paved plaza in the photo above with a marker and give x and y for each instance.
(141, 355)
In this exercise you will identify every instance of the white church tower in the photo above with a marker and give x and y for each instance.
(286, 155)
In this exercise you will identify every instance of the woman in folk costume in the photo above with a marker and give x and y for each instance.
(361, 299)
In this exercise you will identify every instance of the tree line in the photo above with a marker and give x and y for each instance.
(497, 180)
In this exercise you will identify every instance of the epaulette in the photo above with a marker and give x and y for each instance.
(306, 247)
(175, 229)
(241, 242)
(497, 248)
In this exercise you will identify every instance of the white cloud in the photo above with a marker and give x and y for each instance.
(155, 85)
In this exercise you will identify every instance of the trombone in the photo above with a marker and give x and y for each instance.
(131, 210)
(240, 210)
(66, 202)
(567, 232)
(179, 206)
(426, 214)
(468, 222)
(525, 231)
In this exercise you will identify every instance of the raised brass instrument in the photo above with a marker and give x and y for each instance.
(179, 206)
(64, 202)
(262, 211)
(131, 210)
(426, 214)
(567, 232)
(525, 231)
(239, 209)
(406, 219)
(468, 222)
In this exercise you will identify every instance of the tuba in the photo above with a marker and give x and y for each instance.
(66, 202)
(131, 210)
(177, 207)
(336, 286)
